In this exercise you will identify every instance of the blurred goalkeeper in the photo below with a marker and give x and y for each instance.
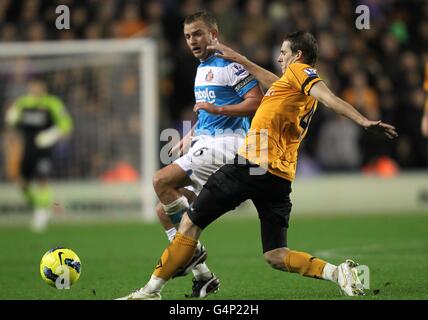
(39, 121)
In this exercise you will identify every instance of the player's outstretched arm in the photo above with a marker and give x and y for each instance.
(265, 77)
(323, 94)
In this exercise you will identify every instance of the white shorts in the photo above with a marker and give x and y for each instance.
(206, 155)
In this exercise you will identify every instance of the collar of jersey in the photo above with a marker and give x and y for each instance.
(210, 59)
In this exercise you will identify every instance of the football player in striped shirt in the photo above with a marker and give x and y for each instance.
(226, 95)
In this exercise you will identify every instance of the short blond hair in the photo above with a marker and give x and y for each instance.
(207, 17)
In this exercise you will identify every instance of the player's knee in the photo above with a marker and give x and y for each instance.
(276, 258)
(160, 180)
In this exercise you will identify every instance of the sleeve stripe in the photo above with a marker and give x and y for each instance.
(311, 85)
(309, 79)
(243, 82)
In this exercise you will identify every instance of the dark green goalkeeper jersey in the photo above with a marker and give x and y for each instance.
(35, 114)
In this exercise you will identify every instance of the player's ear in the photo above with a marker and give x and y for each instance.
(214, 35)
(299, 55)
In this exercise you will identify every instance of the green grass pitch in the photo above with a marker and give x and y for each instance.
(117, 258)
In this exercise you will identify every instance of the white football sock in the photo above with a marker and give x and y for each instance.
(155, 284)
(330, 272)
(40, 219)
(201, 271)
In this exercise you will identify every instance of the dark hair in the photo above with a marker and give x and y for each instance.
(207, 17)
(305, 42)
(37, 78)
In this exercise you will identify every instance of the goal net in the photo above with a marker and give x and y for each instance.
(109, 87)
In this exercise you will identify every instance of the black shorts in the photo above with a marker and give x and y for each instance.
(36, 163)
(231, 185)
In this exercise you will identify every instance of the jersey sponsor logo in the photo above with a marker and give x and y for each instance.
(238, 69)
(205, 95)
(209, 76)
(310, 72)
(36, 119)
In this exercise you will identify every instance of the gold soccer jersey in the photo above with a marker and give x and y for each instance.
(281, 122)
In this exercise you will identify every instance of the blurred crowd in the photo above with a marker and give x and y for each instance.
(379, 70)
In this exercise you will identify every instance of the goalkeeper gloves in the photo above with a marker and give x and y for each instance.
(47, 138)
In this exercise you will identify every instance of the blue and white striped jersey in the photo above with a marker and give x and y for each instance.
(221, 83)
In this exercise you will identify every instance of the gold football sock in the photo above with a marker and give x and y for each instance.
(176, 255)
(304, 264)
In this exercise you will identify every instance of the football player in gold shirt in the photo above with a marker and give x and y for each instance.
(265, 167)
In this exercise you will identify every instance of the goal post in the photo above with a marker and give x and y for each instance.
(150, 119)
(98, 64)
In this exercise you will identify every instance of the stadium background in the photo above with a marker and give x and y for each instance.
(342, 169)
(383, 66)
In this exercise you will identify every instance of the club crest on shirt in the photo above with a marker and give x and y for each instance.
(310, 72)
(209, 76)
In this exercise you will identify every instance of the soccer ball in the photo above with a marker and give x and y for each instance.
(60, 267)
